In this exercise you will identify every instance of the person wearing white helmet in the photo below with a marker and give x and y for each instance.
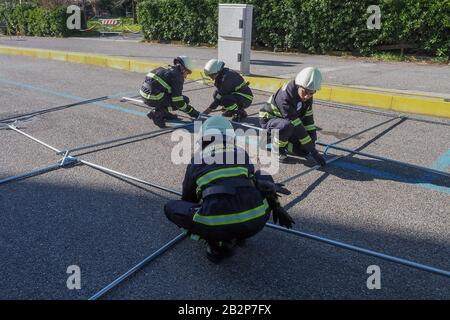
(290, 111)
(233, 92)
(225, 201)
(163, 90)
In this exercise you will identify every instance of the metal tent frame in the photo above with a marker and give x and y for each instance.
(68, 161)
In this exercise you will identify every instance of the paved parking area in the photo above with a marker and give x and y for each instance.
(80, 216)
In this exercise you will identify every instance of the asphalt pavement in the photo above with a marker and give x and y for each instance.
(81, 216)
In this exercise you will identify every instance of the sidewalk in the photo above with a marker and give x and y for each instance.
(423, 79)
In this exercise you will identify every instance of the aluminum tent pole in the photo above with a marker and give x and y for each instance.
(33, 173)
(138, 267)
(104, 169)
(316, 167)
(131, 99)
(30, 114)
(12, 127)
(339, 141)
(168, 130)
(304, 234)
(202, 115)
(366, 130)
(338, 157)
(329, 104)
(123, 99)
(364, 251)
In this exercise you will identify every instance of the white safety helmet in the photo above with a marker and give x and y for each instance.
(185, 61)
(213, 67)
(309, 78)
(217, 125)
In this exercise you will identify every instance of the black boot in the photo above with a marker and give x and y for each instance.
(228, 113)
(170, 116)
(157, 118)
(217, 251)
(241, 242)
(239, 116)
(194, 114)
(283, 155)
(298, 151)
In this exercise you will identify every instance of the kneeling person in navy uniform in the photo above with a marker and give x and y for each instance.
(233, 92)
(225, 203)
(290, 111)
(163, 90)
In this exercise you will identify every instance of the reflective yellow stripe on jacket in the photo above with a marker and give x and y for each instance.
(240, 217)
(160, 80)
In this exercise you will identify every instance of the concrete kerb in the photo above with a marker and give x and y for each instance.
(372, 98)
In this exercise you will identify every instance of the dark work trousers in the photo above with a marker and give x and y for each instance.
(182, 213)
(234, 102)
(288, 135)
(164, 105)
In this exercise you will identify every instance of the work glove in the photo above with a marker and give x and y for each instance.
(271, 191)
(313, 135)
(319, 159)
(280, 216)
(195, 114)
(270, 188)
(207, 111)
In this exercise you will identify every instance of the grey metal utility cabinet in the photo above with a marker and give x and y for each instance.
(235, 35)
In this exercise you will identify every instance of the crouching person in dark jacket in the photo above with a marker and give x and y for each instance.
(232, 91)
(162, 89)
(222, 202)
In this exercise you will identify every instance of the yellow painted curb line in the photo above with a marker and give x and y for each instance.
(374, 98)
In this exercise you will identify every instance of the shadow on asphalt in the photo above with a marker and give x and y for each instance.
(49, 226)
(356, 169)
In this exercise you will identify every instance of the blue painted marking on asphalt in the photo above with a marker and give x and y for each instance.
(426, 180)
(124, 94)
(373, 172)
(104, 105)
(443, 162)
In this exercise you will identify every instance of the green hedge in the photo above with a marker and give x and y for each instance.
(35, 21)
(191, 21)
(316, 26)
